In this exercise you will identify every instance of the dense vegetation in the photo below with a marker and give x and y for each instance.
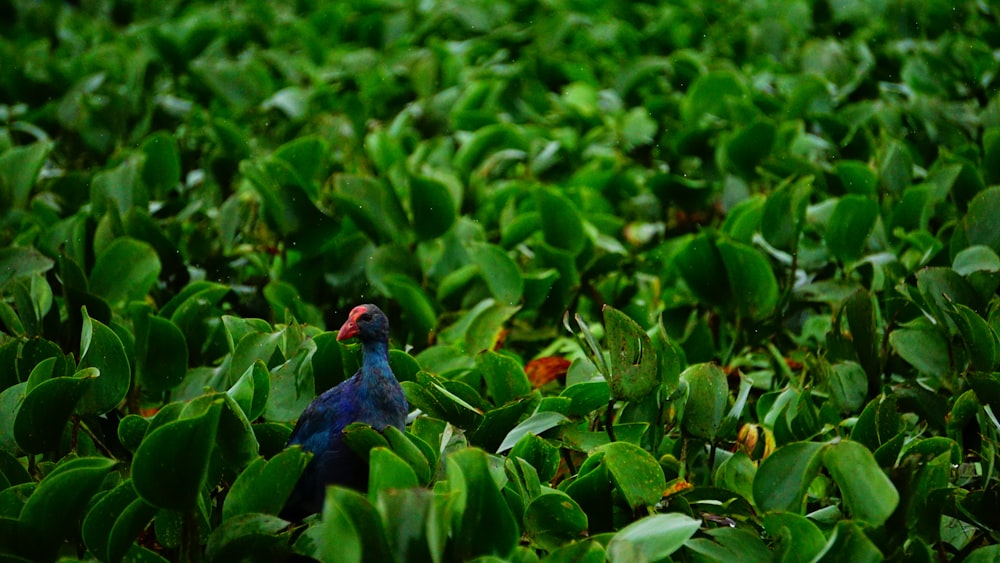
(687, 281)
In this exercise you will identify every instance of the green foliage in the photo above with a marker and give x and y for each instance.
(679, 281)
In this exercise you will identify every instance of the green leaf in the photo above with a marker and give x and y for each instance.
(867, 492)
(700, 264)
(784, 477)
(100, 348)
(485, 525)
(264, 485)
(731, 544)
(653, 538)
(976, 258)
(925, 350)
(849, 543)
(535, 424)
(161, 170)
(417, 306)
(542, 455)
(409, 448)
(552, 519)
(857, 178)
(562, 225)
(980, 341)
(634, 367)
(785, 212)
(388, 471)
(505, 378)
(161, 351)
(432, 206)
(248, 536)
(635, 472)
(848, 386)
(499, 272)
(53, 511)
(850, 225)
(707, 398)
(19, 169)
(171, 465)
(125, 271)
(748, 146)
(861, 317)
(801, 540)
(19, 262)
(373, 205)
(748, 270)
(982, 222)
(42, 417)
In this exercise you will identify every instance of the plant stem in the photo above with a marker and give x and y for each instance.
(609, 420)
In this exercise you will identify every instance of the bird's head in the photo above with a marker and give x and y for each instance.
(367, 322)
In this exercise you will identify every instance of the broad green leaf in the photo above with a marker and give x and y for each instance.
(700, 264)
(417, 306)
(505, 378)
(484, 524)
(535, 424)
(718, 94)
(634, 367)
(101, 348)
(41, 418)
(867, 492)
(707, 398)
(783, 479)
(171, 465)
(849, 543)
(976, 258)
(388, 471)
(19, 169)
(731, 544)
(587, 397)
(407, 448)
(373, 205)
(161, 169)
(264, 485)
(10, 402)
(125, 271)
(161, 351)
(538, 452)
(499, 272)
(861, 317)
(850, 225)
(653, 538)
(248, 536)
(755, 289)
(925, 350)
(552, 519)
(857, 177)
(21, 262)
(801, 539)
(784, 213)
(980, 341)
(748, 146)
(53, 511)
(635, 472)
(848, 386)
(432, 206)
(982, 222)
(562, 225)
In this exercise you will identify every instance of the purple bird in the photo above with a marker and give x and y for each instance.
(372, 396)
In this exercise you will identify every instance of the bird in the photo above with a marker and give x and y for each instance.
(372, 396)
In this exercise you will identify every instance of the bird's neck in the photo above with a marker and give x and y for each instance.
(375, 357)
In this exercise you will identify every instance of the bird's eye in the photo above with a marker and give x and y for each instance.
(365, 317)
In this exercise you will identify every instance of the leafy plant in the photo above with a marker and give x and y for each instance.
(667, 281)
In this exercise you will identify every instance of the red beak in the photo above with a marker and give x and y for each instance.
(350, 328)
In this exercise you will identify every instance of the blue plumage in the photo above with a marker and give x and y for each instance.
(372, 396)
